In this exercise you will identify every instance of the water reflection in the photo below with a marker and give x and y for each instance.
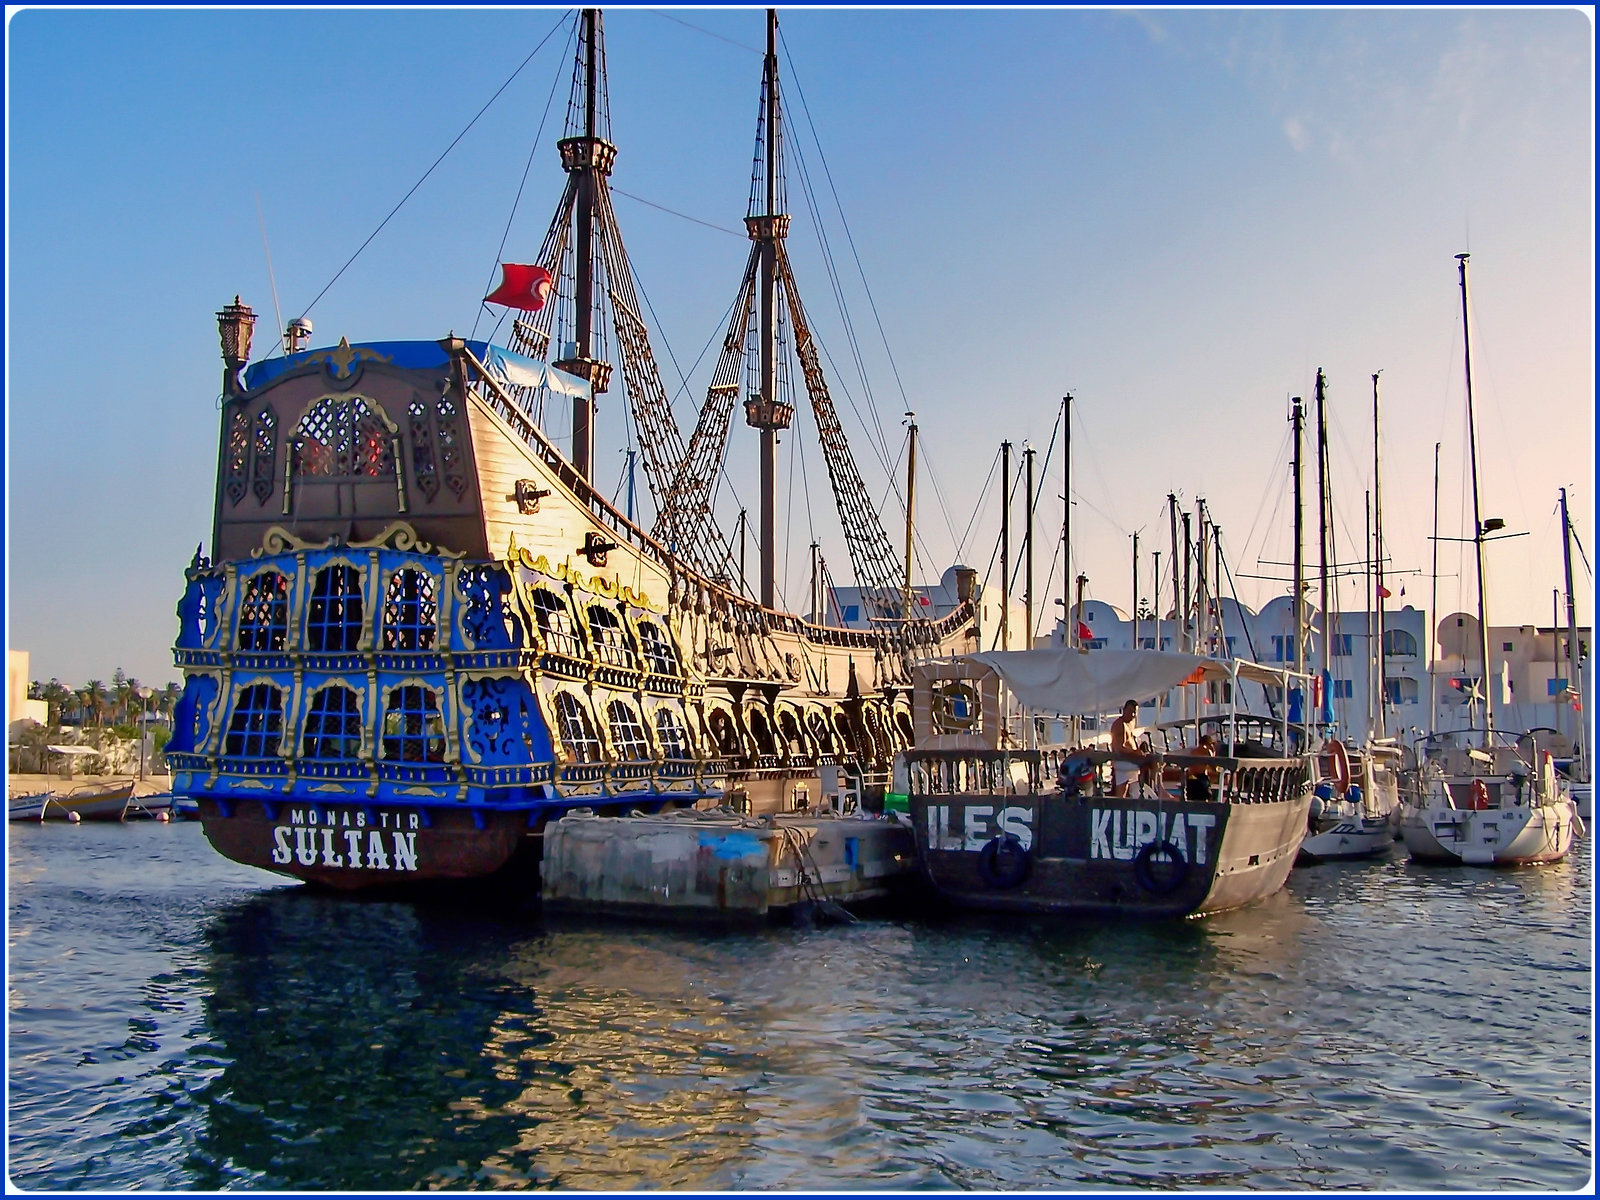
(1374, 1025)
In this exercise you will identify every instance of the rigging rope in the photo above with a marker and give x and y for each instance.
(436, 163)
(538, 140)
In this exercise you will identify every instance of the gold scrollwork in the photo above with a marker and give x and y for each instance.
(342, 358)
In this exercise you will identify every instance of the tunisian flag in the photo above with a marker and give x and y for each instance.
(521, 286)
(1085, 634)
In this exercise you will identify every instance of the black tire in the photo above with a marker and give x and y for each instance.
(1164, 877)
(1003, 862)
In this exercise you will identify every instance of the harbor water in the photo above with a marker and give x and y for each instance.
(178, 1021)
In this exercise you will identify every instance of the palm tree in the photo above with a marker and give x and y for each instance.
(93, 695)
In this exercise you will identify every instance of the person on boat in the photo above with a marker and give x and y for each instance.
(1127, 759)
(1197, 783)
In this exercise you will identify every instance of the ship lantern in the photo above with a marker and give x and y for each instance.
(235, 323)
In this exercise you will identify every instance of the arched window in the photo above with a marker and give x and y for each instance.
(794, 740)
(627, 734)
(821, 733)
(1397, 643)
(256, 728)
(410, 614)
(264, 612)
(725, 733)
(611, 644)
(333, 619)
(576, 729)
(341, 437)
(333, 725)
(902, 721)
(671, 734)
(848, 742)
(555, 623)
(658, 650)
(413, 729)
(760, 731)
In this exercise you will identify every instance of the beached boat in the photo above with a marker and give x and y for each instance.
(995, 832)
(87, 803)
(423, 632)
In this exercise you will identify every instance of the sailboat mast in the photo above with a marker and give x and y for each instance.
(1433, 604)
(1136, 590)
(1297, 419)
(1005, 545)
(1377, 554)
(1326, 648)
(1477, 517)
(1027, 541)
(1066, 520)
(1177, 575)
(1574, 659)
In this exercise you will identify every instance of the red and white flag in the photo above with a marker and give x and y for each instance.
(1383, 592)
(523, 286)
(1085, 634)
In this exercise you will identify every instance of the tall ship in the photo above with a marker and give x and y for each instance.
(422, 632)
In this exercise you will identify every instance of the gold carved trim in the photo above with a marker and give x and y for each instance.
(397, 535)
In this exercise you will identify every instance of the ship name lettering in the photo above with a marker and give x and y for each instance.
(1120, 834)
(361, 848)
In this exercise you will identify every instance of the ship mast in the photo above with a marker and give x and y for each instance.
(1377, 554)
(1574, 659)
(1477, 518)
(586, 158)
(767, 230)
(1325, 652)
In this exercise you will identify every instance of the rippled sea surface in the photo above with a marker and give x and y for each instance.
(181, 1022)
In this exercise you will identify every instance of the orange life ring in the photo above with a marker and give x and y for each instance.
(1339, 765)
(1478, 795)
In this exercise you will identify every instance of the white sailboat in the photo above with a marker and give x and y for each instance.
(1354, 811)
(1488, 804)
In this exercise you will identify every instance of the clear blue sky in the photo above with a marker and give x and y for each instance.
(1175, 215)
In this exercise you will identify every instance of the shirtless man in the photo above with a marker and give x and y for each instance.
(1127, 757)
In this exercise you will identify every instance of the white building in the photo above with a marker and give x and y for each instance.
(1528, 677)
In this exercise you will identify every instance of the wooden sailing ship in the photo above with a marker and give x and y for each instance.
(422, 633)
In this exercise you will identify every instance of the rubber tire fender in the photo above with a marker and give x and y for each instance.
(1003, 862)
(1146, 880)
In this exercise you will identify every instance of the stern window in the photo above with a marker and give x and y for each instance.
(413, 729)
(264, 612)
(333, 621)
(333, 726)
(256, 728)
(410, 614)
(671, 734)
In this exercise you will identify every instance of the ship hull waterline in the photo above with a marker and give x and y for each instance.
(1092, 855)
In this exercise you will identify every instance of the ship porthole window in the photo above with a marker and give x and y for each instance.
(264, 612)
(576, 729)
(413, 729)
(256, 728)
(410, 612)
(627, 734)
(333, 725)
(671, 734)
(333, 619)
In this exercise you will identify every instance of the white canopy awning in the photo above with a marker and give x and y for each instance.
(1072, 682)
(73, 749)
